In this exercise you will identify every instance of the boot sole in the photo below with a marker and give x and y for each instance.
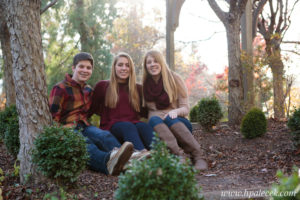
(121, 159)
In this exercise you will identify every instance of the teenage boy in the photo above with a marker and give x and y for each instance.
(69, 103)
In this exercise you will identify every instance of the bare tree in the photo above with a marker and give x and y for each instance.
(23, 22)
(273, 28)
(231, 21)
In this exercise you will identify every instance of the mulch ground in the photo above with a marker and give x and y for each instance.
(235, 163)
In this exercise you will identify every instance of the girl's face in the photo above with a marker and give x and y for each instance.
(122, 69)
(153, 67)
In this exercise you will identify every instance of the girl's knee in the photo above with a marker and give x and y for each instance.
(153, 121)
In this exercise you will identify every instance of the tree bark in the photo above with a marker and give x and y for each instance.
(23, 20)
(231, 21)
(235, 73)
(277, 67)
(82, 29)
(9, 87)
(248, 66)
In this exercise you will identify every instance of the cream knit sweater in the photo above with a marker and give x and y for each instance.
(181, 105)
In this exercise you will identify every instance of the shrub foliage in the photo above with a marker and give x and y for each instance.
(294, 126)
(294, 121)
(60, 154)
(9, 129)
(160, 177)
(288, 187)
(194, 113)
(254, 124)
(209, 112)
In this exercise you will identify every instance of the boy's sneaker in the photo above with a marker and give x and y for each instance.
(118, 158)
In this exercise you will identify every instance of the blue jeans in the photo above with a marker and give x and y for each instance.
(140, 134)
(155, 120)
(99, 145)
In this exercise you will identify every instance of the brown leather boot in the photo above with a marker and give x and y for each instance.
(189, 144)
(167, 136)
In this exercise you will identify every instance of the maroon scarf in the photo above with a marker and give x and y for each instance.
(154, 92)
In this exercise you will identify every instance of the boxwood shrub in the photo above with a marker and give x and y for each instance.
(254, 124)
(60, 153)
(294, 121)
(160, 177)
(193, 113)
(294, 126)
(209, 113)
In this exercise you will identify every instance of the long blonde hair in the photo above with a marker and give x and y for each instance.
(171, 81)
(111, 96)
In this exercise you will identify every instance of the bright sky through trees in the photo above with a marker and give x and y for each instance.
(199, 24)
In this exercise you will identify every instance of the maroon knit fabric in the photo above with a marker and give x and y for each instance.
(155, 92)
(122, 112)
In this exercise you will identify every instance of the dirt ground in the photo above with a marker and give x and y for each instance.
(235, 164)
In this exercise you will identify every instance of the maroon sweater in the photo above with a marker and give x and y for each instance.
(121, 113)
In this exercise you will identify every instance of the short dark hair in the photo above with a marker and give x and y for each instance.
(82, 56)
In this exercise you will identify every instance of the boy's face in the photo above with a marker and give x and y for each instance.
(82, 71)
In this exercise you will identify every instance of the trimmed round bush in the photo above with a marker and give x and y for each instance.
(209, 113)
(193, 114)
(254, 124)
(9, 129)
(160, 177)
(60, 153)
(294, 121)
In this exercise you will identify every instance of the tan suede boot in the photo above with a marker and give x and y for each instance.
(167, 136)
(189, 144)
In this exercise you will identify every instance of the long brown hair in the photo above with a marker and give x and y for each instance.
(172, 85)
(111, 96)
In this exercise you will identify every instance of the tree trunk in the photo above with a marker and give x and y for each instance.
(235, 83)
(277, 71)
(247, 64)
(276, 65)
(9, 87)
(23, 20)
(82, 29)
(231, 21)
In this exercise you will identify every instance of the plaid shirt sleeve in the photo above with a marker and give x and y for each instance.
(56, 100)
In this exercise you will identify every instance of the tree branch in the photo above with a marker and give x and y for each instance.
(256, 13)
(52, 3)
(280, 19)
(292, 51)
(287, 18)
(262, 26)
(221, 14)
(272, 18)
(291, 42)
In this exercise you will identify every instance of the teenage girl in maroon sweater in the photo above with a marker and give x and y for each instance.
(118, 102)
